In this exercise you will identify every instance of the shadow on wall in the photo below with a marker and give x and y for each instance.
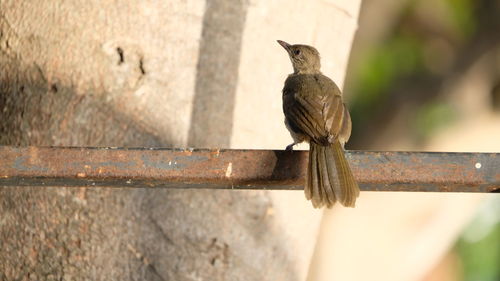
(217, 74)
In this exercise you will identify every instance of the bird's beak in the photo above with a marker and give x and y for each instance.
(284, 45)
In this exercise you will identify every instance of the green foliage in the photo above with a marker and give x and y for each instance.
(461, 16)
(407, 54)
(479, 245)
(396, 58)
(432, 117)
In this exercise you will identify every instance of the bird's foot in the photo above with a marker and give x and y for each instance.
(290, 147)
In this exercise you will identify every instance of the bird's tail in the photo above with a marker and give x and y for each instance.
(329, 177)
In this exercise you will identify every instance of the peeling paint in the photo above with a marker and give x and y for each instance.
(20, 163)
(229, 170)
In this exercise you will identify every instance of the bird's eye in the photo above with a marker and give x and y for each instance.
(296, 52)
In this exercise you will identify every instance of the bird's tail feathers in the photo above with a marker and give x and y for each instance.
(329, 177)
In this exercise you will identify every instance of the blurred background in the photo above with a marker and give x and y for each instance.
(416, 75)
(425, 75)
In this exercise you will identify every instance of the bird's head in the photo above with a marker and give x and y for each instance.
(305, 59)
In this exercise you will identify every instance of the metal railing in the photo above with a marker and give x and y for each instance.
(241, 169)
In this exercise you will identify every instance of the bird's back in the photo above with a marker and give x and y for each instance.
(307, 85)
(313, 105)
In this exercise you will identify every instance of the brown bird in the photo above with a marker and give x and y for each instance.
(315, 113)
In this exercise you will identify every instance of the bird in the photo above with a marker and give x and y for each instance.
(315, 113)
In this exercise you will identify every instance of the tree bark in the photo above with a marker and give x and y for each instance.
(135, 73)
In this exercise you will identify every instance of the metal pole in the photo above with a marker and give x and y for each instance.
(241, 169)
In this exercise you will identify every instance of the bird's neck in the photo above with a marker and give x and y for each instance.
(306, 71)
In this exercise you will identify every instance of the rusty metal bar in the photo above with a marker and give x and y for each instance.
(241, 169)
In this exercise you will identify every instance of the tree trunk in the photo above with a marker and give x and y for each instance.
(135, 73)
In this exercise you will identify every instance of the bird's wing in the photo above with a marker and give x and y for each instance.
(313, 106)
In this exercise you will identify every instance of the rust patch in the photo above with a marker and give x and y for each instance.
(241, 169)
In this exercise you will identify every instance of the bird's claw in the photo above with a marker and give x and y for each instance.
(289, 147)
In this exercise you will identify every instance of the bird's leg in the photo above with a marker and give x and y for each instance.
(290, 146)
